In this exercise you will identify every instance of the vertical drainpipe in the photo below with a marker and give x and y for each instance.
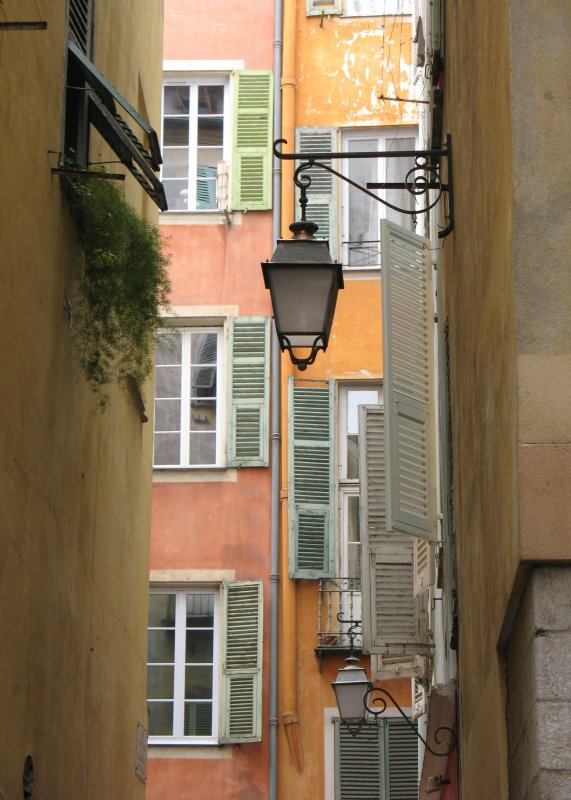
(275, 425)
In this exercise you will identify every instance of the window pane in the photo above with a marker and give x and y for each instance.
(199, 610)
(203, 415)
(363, 233)
(210, 132)
(199, 647)
(175, 131)
(177, 195)
(176, 99)
(160, 719)
(161, 647)
(160, 683)
(198, 683)
(167, 449)
(353, 534)
(202, 448)
(356, 398)
(169, 348)
(207, 159)
(396, 173)
(175, 163)
(204, 348)
(167, 415)
(198, 719)
(161, 610)
(206, 195)
(168, 382)
(210, 99)
(203, 382)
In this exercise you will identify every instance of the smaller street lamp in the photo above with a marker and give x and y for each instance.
(351, 689)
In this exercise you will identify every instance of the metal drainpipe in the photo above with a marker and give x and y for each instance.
(275, 423)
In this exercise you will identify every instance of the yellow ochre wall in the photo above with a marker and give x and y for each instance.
(75, 485)
(334, 70)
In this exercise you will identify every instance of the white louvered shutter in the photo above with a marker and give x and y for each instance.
(248, 392)
(423, 562)
(391, 625)
(322, 193)
(311, 472)
(252, 150)
(241, 701)
(408, 380)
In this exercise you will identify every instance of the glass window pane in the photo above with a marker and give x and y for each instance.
(210, 99)
(167, 415)
(168, 381)
(204, 348)
(160, 683)
(199, 610)
(206, 195)
(198, 719)
(199, 647)
(169, 348)
(198, 683)
(210, 132)
(207, 159)
(167, 449)
(354, 559)
(363, 233)
(175, 131)
(177, 195)
(203, 382)
(161, 610)
(160, 719)
(202, 448)
(397, 169)
(176, 99)
(161, 647)
(353, 533)
(175, 163)
(356, 398)
(203, 415)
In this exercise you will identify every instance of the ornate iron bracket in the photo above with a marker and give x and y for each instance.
(419, 180)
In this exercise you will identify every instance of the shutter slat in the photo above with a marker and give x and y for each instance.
(311, 480)
(248, 392)
(409, 390)
(252, 153)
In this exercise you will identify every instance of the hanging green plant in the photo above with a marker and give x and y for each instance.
(122, 285)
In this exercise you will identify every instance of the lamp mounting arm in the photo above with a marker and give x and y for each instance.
(418, 180)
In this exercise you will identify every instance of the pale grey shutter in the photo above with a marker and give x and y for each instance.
(391, 623)
(241, 696)
(408, 380)
(248, 392)
(401, 757)
(358, 763)
(311, 470)
(322, 193)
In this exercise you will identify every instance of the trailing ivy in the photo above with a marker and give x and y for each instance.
(122, 285)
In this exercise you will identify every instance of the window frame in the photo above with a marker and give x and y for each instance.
(180, 593)
(193, 80)
(186, 332)
(383, 135)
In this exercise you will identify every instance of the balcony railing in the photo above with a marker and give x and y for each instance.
(338, 595)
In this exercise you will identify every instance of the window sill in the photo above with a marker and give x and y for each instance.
(361, 273)
(195, 475)
(189, 750)
(200, 218)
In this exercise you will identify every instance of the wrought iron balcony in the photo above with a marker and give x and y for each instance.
(338, 595)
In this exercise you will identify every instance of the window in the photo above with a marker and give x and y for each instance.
(204, 132)
(374, 8)
(206, 416)
(379, 762)
(361, 214)
(204, 664)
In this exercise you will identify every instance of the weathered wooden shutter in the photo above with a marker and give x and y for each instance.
(408, 380)
(322, 193)
(252, 151)
(314, 8)
(311, 471)
(248, 392)
(391, 624)
(380, 762)
(241, 700)
(423, 562)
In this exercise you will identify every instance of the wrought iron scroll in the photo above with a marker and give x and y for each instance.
(421, 179)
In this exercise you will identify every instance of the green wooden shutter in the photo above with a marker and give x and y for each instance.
(252, 141)
(391, 615)
(322, 194)
(380, 762)
(248, 392)
(315, 8)
(311, 471)
(408, 380)
(241, 696)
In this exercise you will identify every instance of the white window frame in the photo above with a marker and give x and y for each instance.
(221, 400)
(384, 136)
(378, 8)
(179, 666)
(193, 80)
